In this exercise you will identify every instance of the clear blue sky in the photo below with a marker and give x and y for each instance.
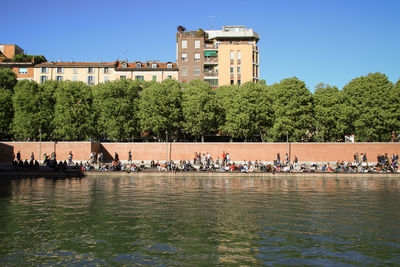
(314, 40)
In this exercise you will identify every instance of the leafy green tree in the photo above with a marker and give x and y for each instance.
(8, 79)
(47, 101)
(327, 112)
(395, 107)
(371, 107)
(262, 81)
(116, 106)
(74, 116)
(223, 96)
(6, 113)
(198, 108)
(160, 109)
(26, 101)
(293, 111)
(248, 112)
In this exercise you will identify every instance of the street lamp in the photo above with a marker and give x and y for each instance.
(166, 145)
(289, 146)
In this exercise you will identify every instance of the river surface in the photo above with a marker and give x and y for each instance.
(200, 221)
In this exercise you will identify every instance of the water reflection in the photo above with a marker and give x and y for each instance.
(200, 221)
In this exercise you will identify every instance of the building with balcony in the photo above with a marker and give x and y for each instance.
(220, 57)
(22, 66)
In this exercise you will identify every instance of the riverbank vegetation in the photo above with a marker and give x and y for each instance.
(127, 110)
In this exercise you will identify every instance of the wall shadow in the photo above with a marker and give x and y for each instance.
(107, 156)
(6, 153)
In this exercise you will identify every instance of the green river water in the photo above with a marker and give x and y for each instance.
(200, 221)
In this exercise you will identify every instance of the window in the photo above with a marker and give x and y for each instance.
(43, 70)
(238, 82)
(75, 78)
(43, 79)
(23, 70)
(106, 79)
(212, 82)
(239, 56)
(106, 70)
(184, 43)
(60, 70)
(90, 80)
(231, 70)
(196, 71)
(59, 78)
(231, 82)
(138, 65)
(196, 56)
(169, 66)
(154, 65)
(232, 55)
(140, 78)
(75, 71)
(122, 77)
(154, 78)
(184, 71)
(239, 71)
(90, 70)
(184, 57)
(169, 77)
(196, 43)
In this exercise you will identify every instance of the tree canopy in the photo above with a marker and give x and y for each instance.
(293, 111)
(198, 108)
(127, 110)
(116, 105)
(74, 115)
(367, 98)
(160, 109)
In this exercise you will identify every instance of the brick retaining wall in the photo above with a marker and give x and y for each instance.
(177, 151)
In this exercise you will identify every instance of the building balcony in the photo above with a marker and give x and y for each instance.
(211, 60)
(210, 47)
(210, 73)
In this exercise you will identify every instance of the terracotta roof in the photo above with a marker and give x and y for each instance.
(76, 64)
(144, 65)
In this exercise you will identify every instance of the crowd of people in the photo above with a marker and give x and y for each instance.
(203, 162)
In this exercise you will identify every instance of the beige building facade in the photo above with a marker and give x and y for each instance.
(95, 73)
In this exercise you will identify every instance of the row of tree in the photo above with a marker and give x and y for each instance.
(125, 110)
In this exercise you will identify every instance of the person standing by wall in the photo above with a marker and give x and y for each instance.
(70, 158)
(130, 157)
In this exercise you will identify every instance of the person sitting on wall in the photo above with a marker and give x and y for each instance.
(14, 164)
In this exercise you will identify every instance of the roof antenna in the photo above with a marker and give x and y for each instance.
(126, 55)
(212, 22)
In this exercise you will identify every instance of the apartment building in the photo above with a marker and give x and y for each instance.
(23, 69)
(93, 73)
(146, 71)
(87, 72)
(220, 57)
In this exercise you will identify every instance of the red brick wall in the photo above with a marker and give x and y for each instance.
(184, 151)
(28, 75)
(80, 150)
